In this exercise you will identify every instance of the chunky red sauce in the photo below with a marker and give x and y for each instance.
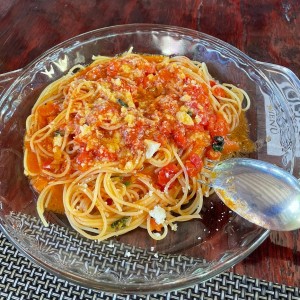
(141, 98)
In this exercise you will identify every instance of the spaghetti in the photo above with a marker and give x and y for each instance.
(121, 143)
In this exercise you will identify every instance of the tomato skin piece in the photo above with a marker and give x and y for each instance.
(39, 183)
(83, 157)
(212, 154)
(133, 136)
(32, 161)
(165, 75)
(196, 160)
(180, 139)
(230, 146)
(218, 128)
(154, 226)
(179, 136)
(46, 113)
(166, 174)
(47, 164)
(190, 168)
(194, 165)
(109, 201)
(196, 128)
(82, 160)
(104, 155)
(48, 109)
(166, 128)
(199, 92)
(212, 83)
(113, 68)
(219, 92)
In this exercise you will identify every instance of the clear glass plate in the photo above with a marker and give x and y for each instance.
(133, 263)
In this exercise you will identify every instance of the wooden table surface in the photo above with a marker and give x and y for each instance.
(266, 30)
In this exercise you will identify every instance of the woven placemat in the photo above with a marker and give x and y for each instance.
(22, 279)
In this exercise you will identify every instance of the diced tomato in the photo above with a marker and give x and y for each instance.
(168, 104)
(113, 68)
(48, 109)
(56, 202)
(166, 128)
(39, 183)
(104, 155)
(166, 174)
(194, 165)
(198, 147)
(212, 154)
(163, 132)
(191, 170)
(50, 119)
(204, 118)
(219, 92)
(212, 83)
(220, 127)
(96, 73)
(180, 139)
(47, 113)
(230, 146)
(196, 91)
(179, 136)
(166, 75)
(57, 153)
(196, 128)
(109, 201)
(83, 160)
(32, 161)
(145, 82)
(154, 226)
(211, 123)
(132, 136)
(149, 69)
(42, 121)
(196, 160)
(47, 164)
(47, 144)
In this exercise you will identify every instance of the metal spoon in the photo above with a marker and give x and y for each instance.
(258, 191)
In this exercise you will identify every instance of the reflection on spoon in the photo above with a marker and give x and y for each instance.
(258, 191)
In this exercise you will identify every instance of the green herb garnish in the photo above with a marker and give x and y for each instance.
(127, 183)
(218, 143)
(122, 103)
(217, 148)
(58, 132)
(120, 224)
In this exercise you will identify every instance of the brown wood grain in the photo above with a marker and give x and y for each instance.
(266, 30)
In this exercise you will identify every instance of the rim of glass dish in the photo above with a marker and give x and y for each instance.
(136, 288)
(135, 27)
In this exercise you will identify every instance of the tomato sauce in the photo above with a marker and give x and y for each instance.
(141, 97)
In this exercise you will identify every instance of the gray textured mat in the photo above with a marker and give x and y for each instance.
(21, 279)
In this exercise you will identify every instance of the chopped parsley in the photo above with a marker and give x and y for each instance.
(122, 103)
(218, 143)
(189, 113)
(120, 224)
(58, 132)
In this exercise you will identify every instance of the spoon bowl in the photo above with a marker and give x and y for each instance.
(258, 191)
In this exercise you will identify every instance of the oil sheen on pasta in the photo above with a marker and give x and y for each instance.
(121, 143)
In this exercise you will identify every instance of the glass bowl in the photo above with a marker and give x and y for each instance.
(133, 263)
